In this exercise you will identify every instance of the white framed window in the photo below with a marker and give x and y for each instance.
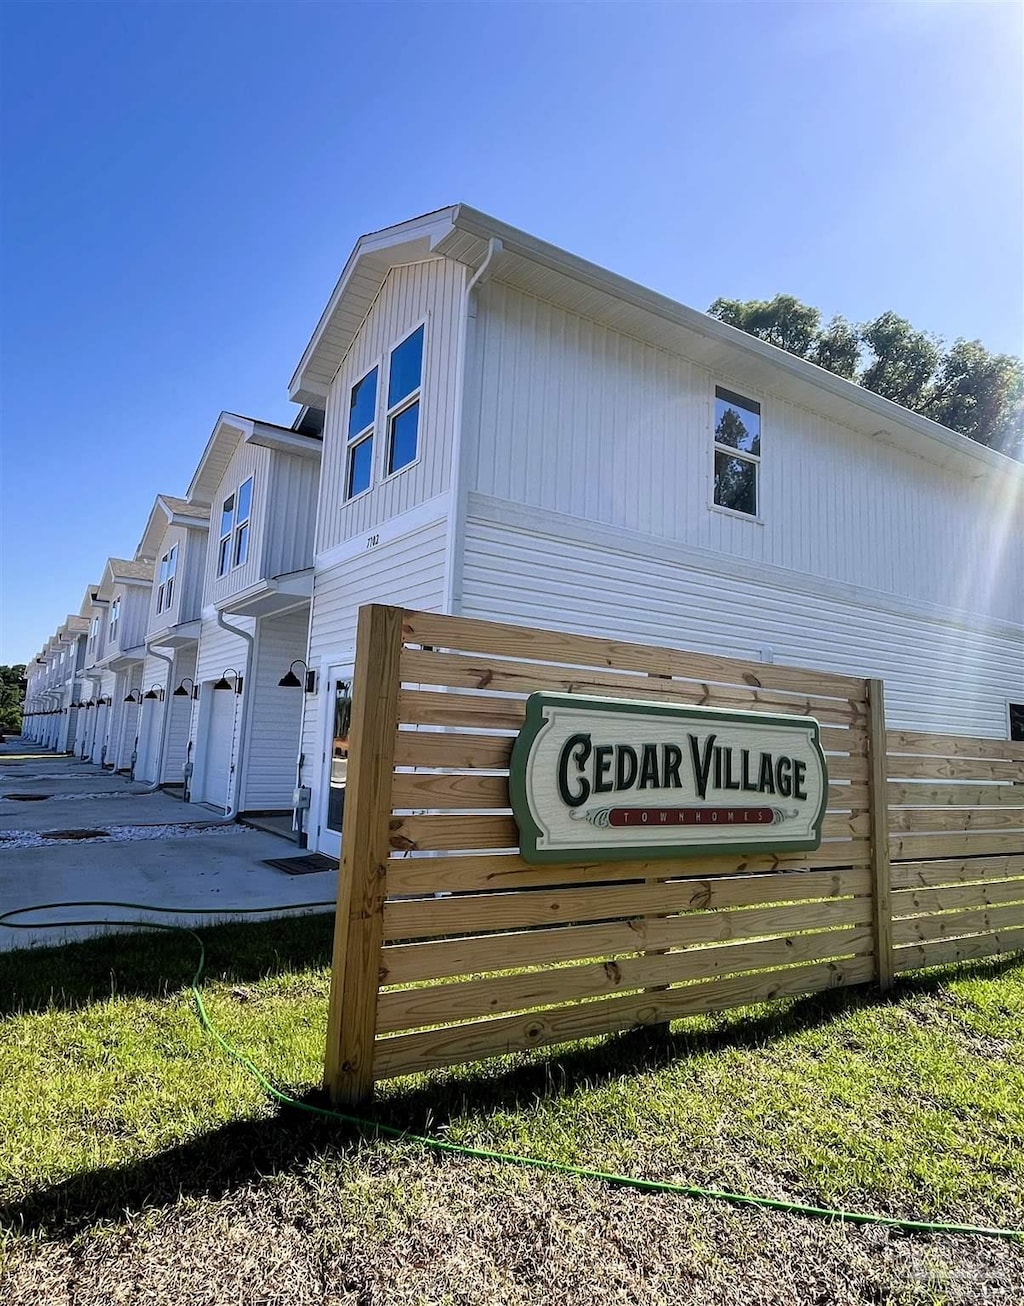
(115, 617)
(737, 452)
(165, 590)
(94, 630)
(234, 529)
(405, 379)
(362, 409)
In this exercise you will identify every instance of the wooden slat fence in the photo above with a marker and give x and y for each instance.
(956, 820)
(450, 948)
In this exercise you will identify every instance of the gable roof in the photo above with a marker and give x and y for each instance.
(121, 570)
(536, 267)
(231, 428)
(169, 510)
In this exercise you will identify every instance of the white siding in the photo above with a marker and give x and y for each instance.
(290, 513)
(422, 291)
(181, 718)
(940, 673)
(186, 598)
(125, 716)
(275, 715)
(219, 651)
(134, 618)
(247, 460)
(583, 420)
(408, 570)
(148, 719)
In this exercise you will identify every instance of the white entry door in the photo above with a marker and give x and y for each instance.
(331, 815)
(220, 746)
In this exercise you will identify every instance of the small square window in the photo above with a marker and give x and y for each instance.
(406, 368)
(360, 465)
(402, 437)
(737, 452)
(735, 483)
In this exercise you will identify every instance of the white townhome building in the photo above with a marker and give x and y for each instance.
(514, 433)
(159, 696)
(258, 482)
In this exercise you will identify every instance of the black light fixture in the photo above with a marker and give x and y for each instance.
(154, 691)
(133, 696)
(182, 692)
(291, 681)
(224, 683)
(104, 702)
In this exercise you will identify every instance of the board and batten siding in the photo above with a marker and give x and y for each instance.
(134, 620)
(247, 460)
(574, 417)
(427, 292)
(148, 718)
(187, 596)
(942, 671)
(181, 716)
(407, 570)
(268, 767)
(290, 514)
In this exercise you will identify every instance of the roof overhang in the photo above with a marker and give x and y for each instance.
(533, 266)
(180, 636)
(228, 431)
(195, 517)
(358, 286)
(270, 597)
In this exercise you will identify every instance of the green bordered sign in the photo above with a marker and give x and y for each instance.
(603, 779)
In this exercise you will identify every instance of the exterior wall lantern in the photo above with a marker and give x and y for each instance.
(182, 692)
(133, 696)
(155, 691)
(291, 681)
(224, 683)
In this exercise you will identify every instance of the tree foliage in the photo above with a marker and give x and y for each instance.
(964, 387)
(12, 695)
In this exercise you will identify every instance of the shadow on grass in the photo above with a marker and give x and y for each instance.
(245, 1152)
(158, 962)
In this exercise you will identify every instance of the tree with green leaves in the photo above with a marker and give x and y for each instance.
(966, 388)
(12, 696)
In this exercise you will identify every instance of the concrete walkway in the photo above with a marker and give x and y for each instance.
(186, 868)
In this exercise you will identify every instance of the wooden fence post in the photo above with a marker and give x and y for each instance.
(362, 879)
(881, 882)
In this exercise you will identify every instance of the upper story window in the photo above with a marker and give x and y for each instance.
(234, 528)
(165, 591)
(405, 376)
(362, 407)
(115, 617)
(94, 630)
(737, 451)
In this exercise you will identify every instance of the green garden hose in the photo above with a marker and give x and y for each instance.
(458, 1149)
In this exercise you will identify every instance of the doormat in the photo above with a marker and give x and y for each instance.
(75, 834)
(308, 864)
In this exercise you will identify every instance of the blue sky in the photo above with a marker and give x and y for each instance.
(182, 183)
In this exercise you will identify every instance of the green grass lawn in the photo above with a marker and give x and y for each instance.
(123, 1124)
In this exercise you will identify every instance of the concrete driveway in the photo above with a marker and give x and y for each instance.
(150, 848)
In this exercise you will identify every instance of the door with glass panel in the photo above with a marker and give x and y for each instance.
(339, 720)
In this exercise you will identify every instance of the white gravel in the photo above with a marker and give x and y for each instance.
(120, 834)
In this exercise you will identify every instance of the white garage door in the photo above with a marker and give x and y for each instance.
(220, 736)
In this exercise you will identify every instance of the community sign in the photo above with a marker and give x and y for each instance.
(601, 779)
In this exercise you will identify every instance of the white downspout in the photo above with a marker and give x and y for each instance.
(457, 517)
(243, 722)
(164, 725)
